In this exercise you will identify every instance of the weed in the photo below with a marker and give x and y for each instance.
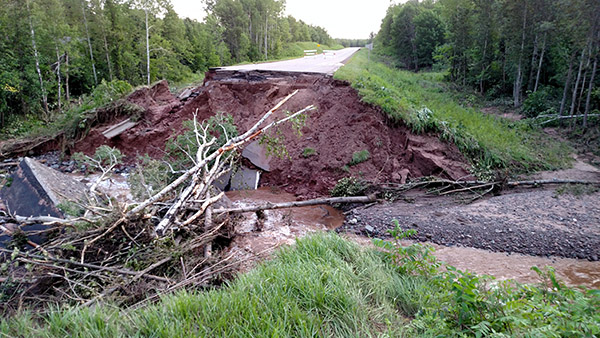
(71, 208)
(308, 152)
(417, 259)
(359, 157)
(577, 189)
(348, 186)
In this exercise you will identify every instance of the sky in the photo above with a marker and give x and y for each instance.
(351, 19)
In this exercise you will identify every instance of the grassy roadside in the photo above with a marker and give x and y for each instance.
(425, 103)
(328, 286)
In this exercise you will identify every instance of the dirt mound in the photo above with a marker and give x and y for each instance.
(341, 126)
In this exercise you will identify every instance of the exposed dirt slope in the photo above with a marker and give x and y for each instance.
(341, 126)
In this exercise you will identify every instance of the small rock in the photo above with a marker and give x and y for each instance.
(369, 229)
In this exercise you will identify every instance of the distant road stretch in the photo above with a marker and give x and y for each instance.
(326, 64)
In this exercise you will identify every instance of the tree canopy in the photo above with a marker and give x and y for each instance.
(54, 50)
(538, 49)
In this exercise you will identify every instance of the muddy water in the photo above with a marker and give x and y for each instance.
(261, 236)
(321, 217)
(572, 272)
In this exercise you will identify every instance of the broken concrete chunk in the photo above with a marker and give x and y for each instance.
(37, 190)
(223, 181)
(118, 128)
(245, 179)
(257, 155)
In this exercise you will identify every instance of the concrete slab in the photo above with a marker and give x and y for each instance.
(257, 154)
(223, 181)
(245, 179)
(118, 128)
(36, 190)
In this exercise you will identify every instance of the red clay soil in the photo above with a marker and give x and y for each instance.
(341, 126)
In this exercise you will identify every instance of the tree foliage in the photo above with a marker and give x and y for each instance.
(79, 43)
(502, 47)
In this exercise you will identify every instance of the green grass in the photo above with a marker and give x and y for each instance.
(424, 102)
(324, 286)
(308, 152)
(296, 49)
(327, 286)
(359, 157)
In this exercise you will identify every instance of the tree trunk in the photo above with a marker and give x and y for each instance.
(519, 78)
(37, 61)
(67, 93)
(87, 33)
(485, 43)
(532, 69)
(58, 80)
(589, 93)
(567, 85)
(110, 73)
(586, 68)
(147, 49)
(574, 95)
(266, 30)
(537, 76)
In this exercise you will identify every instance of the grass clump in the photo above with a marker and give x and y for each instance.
(359, 157)
(308, 152)
(424, 102)
(577, 190)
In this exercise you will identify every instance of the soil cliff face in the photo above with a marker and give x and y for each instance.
(340, 126)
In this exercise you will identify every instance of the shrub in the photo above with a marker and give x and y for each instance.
(348, 186)
(360, 157)
(536, 103)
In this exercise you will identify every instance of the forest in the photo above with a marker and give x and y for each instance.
(539, 55)
(53, 51)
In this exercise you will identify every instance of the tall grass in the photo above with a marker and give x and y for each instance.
(425, 103)
(323, 286)
(326, 286)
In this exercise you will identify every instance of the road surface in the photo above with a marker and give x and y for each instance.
(326, 64)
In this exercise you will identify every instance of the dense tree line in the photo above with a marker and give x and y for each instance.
(542, 49)
(54, 50)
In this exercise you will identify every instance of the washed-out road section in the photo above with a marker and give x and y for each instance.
(321, 63)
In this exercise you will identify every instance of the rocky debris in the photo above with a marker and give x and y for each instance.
(37, 190)
(539, 223)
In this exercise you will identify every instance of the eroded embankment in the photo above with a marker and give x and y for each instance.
(341, 126)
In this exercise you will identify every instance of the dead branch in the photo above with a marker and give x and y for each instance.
(83, 265)
(227, 147)
(552, 181)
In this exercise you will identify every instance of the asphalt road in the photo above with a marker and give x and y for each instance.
(326, 64)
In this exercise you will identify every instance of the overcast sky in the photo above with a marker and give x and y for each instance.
(352, 19)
